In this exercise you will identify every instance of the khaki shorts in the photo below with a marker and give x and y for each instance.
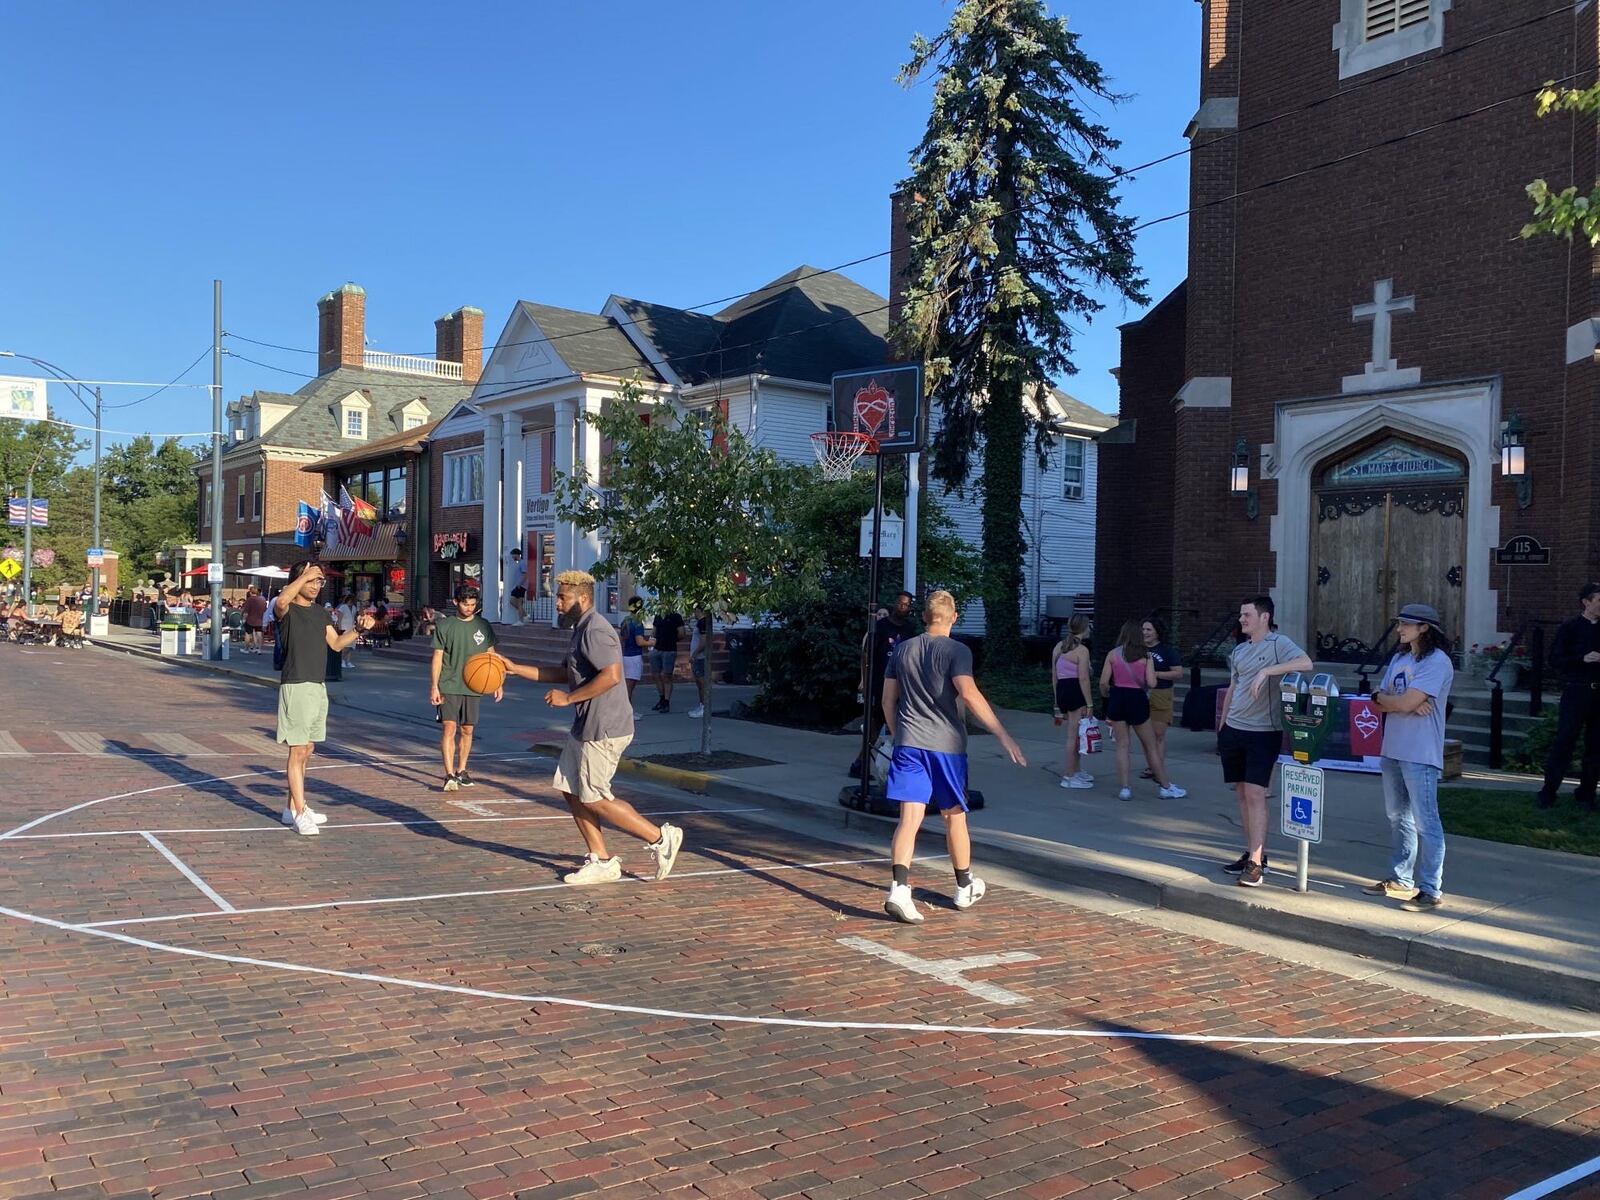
(302, 713)
(586, 768)
(1161, 706)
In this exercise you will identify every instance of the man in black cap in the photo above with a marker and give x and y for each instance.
(1575, 652)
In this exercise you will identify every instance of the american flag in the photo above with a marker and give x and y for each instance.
(17, 512)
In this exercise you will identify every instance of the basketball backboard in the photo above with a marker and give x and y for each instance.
(884, 402)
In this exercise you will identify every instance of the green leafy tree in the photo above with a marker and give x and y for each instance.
(1567, 212)
(24, 443)
(809, 660)
(687, 505)
(1012, 209)
(151, 498)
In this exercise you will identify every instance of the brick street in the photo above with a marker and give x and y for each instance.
(130, 1068)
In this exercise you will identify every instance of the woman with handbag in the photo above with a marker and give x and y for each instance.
(1069, 671)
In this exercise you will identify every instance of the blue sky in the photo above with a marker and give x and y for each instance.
(479, 154)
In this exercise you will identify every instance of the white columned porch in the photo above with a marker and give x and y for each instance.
(587, 550)
(566, 413)
(512, 505)
(492, 489)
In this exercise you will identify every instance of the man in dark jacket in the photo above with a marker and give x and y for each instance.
(1575, 653)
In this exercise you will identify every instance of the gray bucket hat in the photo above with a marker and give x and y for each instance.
(1421, 614)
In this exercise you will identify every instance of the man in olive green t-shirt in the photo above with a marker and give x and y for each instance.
(456, 639)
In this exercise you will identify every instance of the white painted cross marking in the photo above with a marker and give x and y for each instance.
(187, 873)
(485, 807)
(9, 744)
(950, 970)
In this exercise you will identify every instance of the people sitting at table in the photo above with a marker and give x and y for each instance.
(71, 618)
(430, 618)
(400, 624)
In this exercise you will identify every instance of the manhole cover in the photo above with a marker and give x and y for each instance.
(574, 907)
(601, 949)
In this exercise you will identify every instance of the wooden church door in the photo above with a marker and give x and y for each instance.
(1390, 529)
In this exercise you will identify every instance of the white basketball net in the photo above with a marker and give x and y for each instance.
(837, 453)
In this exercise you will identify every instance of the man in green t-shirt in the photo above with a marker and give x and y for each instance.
(456, 639)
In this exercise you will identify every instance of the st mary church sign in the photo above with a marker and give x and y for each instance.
(1393, 462)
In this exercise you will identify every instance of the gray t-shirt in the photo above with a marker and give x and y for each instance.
(594, 647)
(1249, 659)
(927, 715)
(1406, 736)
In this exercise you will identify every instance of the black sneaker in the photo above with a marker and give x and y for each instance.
(1251, 875)
(465, 779)
(1237, 866)
(1545, 800)
(1422, 902)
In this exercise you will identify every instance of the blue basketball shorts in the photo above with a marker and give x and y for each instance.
(927, 777)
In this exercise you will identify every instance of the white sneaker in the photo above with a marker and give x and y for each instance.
(306, 824)
(1173, 792)
(595, 870)
(451, 784)
(1124, 794)
(967, 896)
(901, 906)
(1078, 781)
(698, 711)
(287, 817)
(666, 850)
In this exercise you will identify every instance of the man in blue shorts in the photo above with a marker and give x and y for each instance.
(927, 679)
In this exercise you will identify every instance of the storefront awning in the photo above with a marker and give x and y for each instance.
(381, 546)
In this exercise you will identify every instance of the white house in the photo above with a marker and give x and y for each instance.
(766, 361)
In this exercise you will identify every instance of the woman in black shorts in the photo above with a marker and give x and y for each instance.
(1128, 674)
(1069, 673)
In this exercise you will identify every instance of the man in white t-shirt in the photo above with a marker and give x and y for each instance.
(344, 620)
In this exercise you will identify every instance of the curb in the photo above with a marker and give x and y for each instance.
(1085, 868)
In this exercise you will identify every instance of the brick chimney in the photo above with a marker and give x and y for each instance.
(341, 328)
(458, 337)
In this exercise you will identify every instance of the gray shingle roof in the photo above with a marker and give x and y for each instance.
(589, 344)
(314, 425)
(685, 338)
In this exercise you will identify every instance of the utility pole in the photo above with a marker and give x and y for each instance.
(27, 537)
(94, 579)
(216, 470)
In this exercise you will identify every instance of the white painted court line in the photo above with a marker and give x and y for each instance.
(196, 783)
(86, 743)
(1556, 1182)
(9, 744)
(183, 867)
(278, 827)
(425, 985)
(178, 745)
(512, 891)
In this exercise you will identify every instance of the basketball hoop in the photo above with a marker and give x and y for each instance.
(837, 452)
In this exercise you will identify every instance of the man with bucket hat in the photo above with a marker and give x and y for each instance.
(1575, 652)
(1412, 696)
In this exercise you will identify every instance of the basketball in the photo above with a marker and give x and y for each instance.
(483, 673)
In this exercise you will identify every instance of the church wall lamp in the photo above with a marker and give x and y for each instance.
(1514, 459)
(1239, 479)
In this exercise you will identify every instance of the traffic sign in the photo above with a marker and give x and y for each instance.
(97, 556)
(214, 572)
(9, 568)
(1302, 802)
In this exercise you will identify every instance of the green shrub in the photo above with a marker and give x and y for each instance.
(807, 668)
(1530, 755)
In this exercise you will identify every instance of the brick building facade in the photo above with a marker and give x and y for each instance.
(1359, 325)
(358, 398)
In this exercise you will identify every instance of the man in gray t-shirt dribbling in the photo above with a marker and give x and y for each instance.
(926, 681)
(602, 727)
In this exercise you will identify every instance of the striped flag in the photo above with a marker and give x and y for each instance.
(17, 512)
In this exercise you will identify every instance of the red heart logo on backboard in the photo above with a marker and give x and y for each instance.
(874, 409)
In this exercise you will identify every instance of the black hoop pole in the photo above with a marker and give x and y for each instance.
(872, 632)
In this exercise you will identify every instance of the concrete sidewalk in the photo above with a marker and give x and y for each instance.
(1517, 919)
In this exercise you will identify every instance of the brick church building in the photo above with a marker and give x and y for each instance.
(1319, 410)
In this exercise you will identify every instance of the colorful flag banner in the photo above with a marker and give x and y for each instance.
(17, 512)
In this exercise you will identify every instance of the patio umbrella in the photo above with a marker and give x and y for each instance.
(265, 572)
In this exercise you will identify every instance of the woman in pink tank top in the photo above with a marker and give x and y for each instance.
(1069, 676)
(1126, 678)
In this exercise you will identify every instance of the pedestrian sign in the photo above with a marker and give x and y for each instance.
(1302, 802)
(9, 568)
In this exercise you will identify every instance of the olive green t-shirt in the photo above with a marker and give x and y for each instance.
(459, 640)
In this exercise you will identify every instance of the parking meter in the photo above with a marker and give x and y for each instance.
(1310, 708)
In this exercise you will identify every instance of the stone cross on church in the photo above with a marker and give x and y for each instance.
(1383, 371)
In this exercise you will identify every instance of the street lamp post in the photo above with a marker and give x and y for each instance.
(73, 384)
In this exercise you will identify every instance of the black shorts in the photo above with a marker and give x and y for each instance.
(462, 710)
(1069, 695)
(252, 628)
(1248, 755)
(518, 593)
(1128, 704)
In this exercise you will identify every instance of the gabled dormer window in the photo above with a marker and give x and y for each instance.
(353, 411)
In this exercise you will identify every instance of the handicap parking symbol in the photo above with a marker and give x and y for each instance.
(1300, 810)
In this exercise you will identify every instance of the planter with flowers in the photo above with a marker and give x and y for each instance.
(1480, 660)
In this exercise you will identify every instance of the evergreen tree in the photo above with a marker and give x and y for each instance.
(1012, 211)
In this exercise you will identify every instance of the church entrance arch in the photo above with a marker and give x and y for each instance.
(1388, 528)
